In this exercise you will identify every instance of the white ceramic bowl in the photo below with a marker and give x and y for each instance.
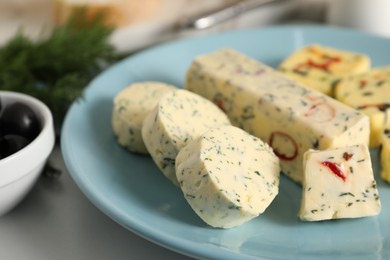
(19, 171)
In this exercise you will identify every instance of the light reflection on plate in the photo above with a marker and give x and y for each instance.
(130, 189)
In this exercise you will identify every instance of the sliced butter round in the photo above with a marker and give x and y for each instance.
(131, 106)
(179, 117)
(228, 176)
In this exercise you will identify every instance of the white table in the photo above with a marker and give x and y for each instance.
(57, 222)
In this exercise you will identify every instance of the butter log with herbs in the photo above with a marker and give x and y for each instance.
(269, 105)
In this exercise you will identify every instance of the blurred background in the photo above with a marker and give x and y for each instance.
(142, 23)
(131, 25)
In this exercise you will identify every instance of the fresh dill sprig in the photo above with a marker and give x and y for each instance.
(57, 68)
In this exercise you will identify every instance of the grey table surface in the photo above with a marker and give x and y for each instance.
(56, 221)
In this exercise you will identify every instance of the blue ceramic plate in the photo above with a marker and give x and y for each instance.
(130, 189)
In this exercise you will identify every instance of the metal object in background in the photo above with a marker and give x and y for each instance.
(217, 16)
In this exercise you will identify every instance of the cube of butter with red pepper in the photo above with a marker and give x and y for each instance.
(339, 183)
(321, 67)
(368, 93)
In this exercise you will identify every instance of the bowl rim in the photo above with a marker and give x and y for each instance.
(12, 167)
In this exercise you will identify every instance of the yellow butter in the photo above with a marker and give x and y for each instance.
(385, 149)
(369, 93)
(320, 67)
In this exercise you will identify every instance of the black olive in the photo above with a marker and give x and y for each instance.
(10, 144)
(19, 119)
(1, 131)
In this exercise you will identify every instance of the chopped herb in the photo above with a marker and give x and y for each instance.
(347, 156)
(316, 144)
(380, 83)
(234, 207)
(334, 83)
(247, 113)
(167, 161)
(190, 196)
(346, 194)
(300, 72)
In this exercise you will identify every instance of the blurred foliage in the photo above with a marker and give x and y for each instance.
(57, 68)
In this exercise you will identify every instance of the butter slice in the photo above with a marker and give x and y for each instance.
(179, 117)
(278, 110)
(369, 93)
(131, 106)
(339, 183)
(321, 67)
(228, 176)
(385, 149)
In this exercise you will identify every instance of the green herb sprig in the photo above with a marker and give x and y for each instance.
(57, 68)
